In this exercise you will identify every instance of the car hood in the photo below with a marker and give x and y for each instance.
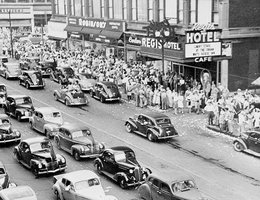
(85, 140)
(93, 193)
(25, 106)
(128, 164)
(42, 155)
(192, 194)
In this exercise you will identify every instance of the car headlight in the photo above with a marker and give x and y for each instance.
(62, 159)
(40, 165)
(101, 146)
(1, 137)
(131, 171)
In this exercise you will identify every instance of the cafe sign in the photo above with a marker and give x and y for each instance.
(202, 40)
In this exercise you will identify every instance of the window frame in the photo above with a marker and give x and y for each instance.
(196, 11)
(213, 11)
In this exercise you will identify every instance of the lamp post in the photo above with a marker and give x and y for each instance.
(163, 32)
(11, 34)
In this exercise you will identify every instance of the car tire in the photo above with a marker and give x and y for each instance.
(27, 85)
(6, 76)
(35, 172)
(48, 70)
(150, 136)
(128, 127)
(57, 141)
(56, 193)
(67, 102)
(19, 117)
(47, 134)
(76, 155)
(99, 168)
(17, 157)
(122, 183)
(102, 99)
(238, 146)
(91, 93)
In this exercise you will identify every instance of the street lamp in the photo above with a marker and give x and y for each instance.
(163, 32)
(11, 34)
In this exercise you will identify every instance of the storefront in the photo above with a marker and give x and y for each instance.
(57, 34)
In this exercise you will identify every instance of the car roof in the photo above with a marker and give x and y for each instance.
(18, 192)
(35, 140)
(171, 176)
(74, 127)
(4, 116)
(121, 148)
(17, 96)
(80, 175)
(155, 115)
(46, 110)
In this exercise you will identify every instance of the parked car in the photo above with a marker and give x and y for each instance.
(62, 75)
(38, 155)
(31, 79)
(105, 91)
(3, 93)
(47, 67)
(10, 70)
(78, 141)
(18, 106)
(18, 193)
(175, 185)
(249, 142)
(70, 97)
(29, 63)
(155, 126)
(120, 164)
(85, 82)
(46, 120)
(7, 133)
(82, 184)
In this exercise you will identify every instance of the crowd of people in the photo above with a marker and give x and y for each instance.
(147, 86)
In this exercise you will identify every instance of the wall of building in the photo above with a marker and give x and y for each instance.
(246, 17)
(244, 67)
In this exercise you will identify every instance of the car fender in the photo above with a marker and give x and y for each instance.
(119, 175)
(57, 188)
(241, 141)
(154, 132)
(56, 92)
(31, 120)
(16, 151)
(49, 127)
(130, 121)
(145, 191)
(34, 162)
(98, 161)
(19, 110)
(76, 147)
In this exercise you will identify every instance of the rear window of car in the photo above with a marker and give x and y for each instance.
(163, 121)
(86, 183)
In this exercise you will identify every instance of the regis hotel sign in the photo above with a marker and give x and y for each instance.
(202, 41)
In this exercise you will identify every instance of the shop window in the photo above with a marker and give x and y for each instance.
(193, 11)
(23, 1)
(215, 11)
(171, 10)
(9, 1)
(39, 1)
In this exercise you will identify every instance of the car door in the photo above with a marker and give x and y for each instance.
(141, 124)
(252, 141)
(69, 141)
(155, 189)
(12, 106)
(2, 69)
(67, 194)
(25, 153)
(164, 192)
(40, 121)
(109, 162)
(62, 137)
(98, 88)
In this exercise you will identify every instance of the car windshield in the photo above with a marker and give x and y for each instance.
(53, 115)
(80, 133)
(163, 121)
(24, 100)
(183, 186)
(86, 183)
(120, 156)
(2, 171)
(40, 146)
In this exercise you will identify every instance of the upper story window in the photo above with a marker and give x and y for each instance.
(117, 9)
(140, 9)
(78, 8)
(180, 11)
(150, 10)
(193, 11)
(134, 10)
(96, 8)
(161, 10)
(171, 11)
(90, 8)
(103, 8)
(61, 7)
(215, 11)
(72, 7)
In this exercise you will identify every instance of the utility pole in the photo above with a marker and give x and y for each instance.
(11, 34)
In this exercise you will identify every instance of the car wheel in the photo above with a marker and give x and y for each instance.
(150, 137)
(67, 102)
(122, 183)
(35, 172)
(49, 71)
(6, 76)
(17, 157)
(76, 156)
(99, 168)
(91, 93)
(19, 117)
(128, 127)
(27, 85)
(47, 134)
(57, 141)
(57, 194)
(238, 146)
(102, 99)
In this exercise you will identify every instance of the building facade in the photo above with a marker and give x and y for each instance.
(217, 37)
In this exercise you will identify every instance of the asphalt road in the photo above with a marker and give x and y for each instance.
(219, 171)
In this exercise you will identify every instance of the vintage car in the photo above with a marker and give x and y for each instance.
(78, 141)
(10, 70)
(105, 91)
(7, 134)
(120, 164)
(85, 82)
(19, 106)
(82, 184)
(155, 126)
(70, 96)
(31, 79)
(249, 142)
(47, 67)
(46, 120)
(29, 63)
(3, 93)
(170, 185)
(62, 75)
(38, 155)
(18, 193)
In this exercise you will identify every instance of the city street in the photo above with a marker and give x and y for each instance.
(219, 171)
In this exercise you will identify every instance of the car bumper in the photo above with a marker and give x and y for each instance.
(113, 99)
(10, 140)
(94, 155)
(37, 86)
(53, 170)
(134, 183)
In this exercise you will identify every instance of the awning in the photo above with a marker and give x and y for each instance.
(70, 28)
(111, 34)
(256, 82)
(90, 31)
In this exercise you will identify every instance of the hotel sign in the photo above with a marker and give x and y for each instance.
(154, 43)
(203, 41)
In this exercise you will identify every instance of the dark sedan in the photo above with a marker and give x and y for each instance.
(31, 79)
(105, 91)
(154, 126)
